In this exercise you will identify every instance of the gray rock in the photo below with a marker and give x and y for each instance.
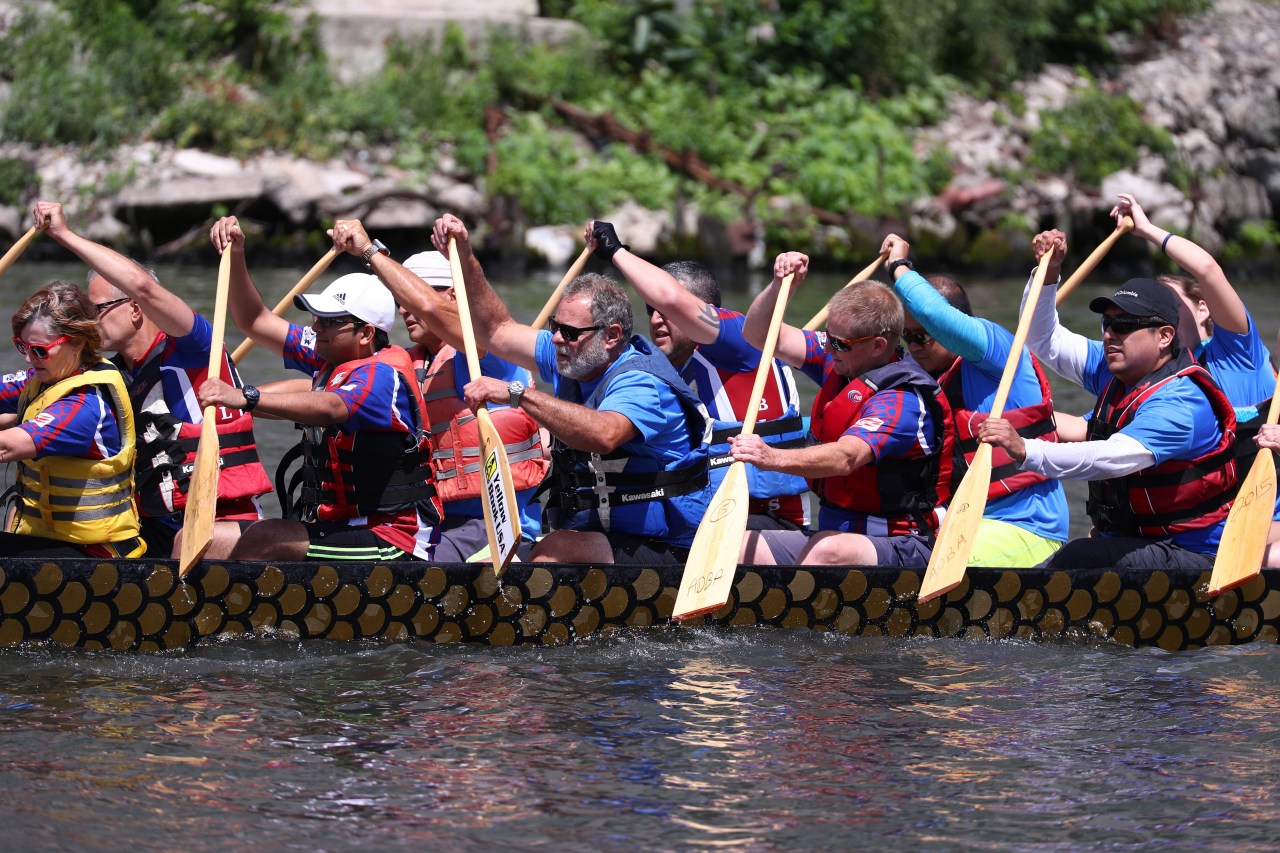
(556, 244)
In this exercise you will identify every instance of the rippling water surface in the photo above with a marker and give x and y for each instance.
(672, 739)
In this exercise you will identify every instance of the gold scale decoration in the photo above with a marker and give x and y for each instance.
(141, 605)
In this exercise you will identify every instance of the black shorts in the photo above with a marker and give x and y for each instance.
(1127, 552)
(337, 540)
(631, 550)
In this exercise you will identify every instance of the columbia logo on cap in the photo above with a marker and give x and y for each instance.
(1118, 293)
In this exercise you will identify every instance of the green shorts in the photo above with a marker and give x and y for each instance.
(1002, 545)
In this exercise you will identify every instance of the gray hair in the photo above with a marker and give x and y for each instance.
(697, 279)
(115, 291)
(609, 304)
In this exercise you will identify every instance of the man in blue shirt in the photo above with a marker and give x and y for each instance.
(1158, 453)
(1026, 517)
(629, 451)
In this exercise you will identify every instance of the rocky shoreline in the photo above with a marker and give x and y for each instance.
(1216, 91)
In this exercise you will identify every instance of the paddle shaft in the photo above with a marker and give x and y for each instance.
(283, 306)
(1020, 338)
(713, 556)
(574, 271)
(16, 250)
(202, 495)
(820, 318)
(1124, 227)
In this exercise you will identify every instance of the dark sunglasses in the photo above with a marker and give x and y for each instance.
(570, 333)
(1122, 324)
(844, 344)
(918, 338)
(333, 322)
(104, 307)
(40, 352)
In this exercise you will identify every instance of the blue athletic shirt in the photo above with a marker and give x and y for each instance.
(983, 347)
(1177, 422)
(81, 424)
(653, 409)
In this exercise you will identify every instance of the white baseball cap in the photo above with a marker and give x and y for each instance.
(432, 267)
(357, 294)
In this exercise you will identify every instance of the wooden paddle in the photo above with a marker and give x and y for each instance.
(1124, 227)
(574, 271)
(713, 557)
(1244, 538)
(820, 319)
(17, 249)
(501, 518)
(202, 495)
(301, 287)
(959, 529)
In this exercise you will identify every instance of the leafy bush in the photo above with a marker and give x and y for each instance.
(1093, 136)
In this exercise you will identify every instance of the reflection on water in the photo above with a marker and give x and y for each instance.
(670, 739)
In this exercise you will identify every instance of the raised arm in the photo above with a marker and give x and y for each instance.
(1065, 352)
(687, 312)
(792, 345)
(957, 331)
(169, 312)
(1225, 306)
(495, 329)
(412, 293)
(248, 311)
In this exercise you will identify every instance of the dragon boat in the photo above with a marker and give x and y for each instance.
(143, 605)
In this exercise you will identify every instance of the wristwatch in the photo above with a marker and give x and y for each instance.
(251, 397)
(900, 262)
(516, 389)
(372, 249)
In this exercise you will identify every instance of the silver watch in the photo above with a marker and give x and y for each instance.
(516, 389)
(374, 248)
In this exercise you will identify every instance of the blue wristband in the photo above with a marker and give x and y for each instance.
(1165, 243)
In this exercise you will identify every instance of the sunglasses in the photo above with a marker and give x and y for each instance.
(570, 333)
(104, 307)
(40, 352)
(918, 338)
(1121, 325)
(844, 344)
(334, 322)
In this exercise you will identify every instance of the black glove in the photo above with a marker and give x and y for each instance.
(607, 242)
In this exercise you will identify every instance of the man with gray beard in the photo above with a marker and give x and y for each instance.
(629, 452)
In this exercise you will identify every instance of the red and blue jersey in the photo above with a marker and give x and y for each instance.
(81, 424)
(722, 375)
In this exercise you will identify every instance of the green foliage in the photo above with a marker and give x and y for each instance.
(1093, 136)
(1254, 240)
(18, 181)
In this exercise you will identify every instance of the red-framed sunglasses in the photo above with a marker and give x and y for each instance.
(38, 351)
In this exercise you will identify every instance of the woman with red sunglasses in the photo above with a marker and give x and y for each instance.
(73, 439)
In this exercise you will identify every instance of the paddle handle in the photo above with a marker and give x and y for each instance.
(574, 271)
(1124, 227)
(283, 306)
(16, 250)
(820, 319)
(766, 356)
(1020, 337)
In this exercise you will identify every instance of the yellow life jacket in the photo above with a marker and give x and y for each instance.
(71, 499)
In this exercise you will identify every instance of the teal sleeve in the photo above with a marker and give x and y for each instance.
(957, 331)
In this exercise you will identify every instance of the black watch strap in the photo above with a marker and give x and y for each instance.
(251, 397)
(900, 262)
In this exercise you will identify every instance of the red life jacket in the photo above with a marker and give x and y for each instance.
(1177, 495)
(167, 445)
(369, 473)
(903, 492)
(456, 438)
(1034, 421)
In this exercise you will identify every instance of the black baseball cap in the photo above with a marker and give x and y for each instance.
(1141, 297)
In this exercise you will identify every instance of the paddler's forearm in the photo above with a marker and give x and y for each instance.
(588, 430)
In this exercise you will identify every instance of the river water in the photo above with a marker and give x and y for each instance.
(668, 739)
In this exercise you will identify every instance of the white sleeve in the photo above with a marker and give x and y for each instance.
(1065, 352)
(1087, 460)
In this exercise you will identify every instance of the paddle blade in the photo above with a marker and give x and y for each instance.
(501, 516)
(202, 497)
(959, 529)
(1244, 538)
(713, 557)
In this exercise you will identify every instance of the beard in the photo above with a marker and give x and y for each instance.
(585, 363)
